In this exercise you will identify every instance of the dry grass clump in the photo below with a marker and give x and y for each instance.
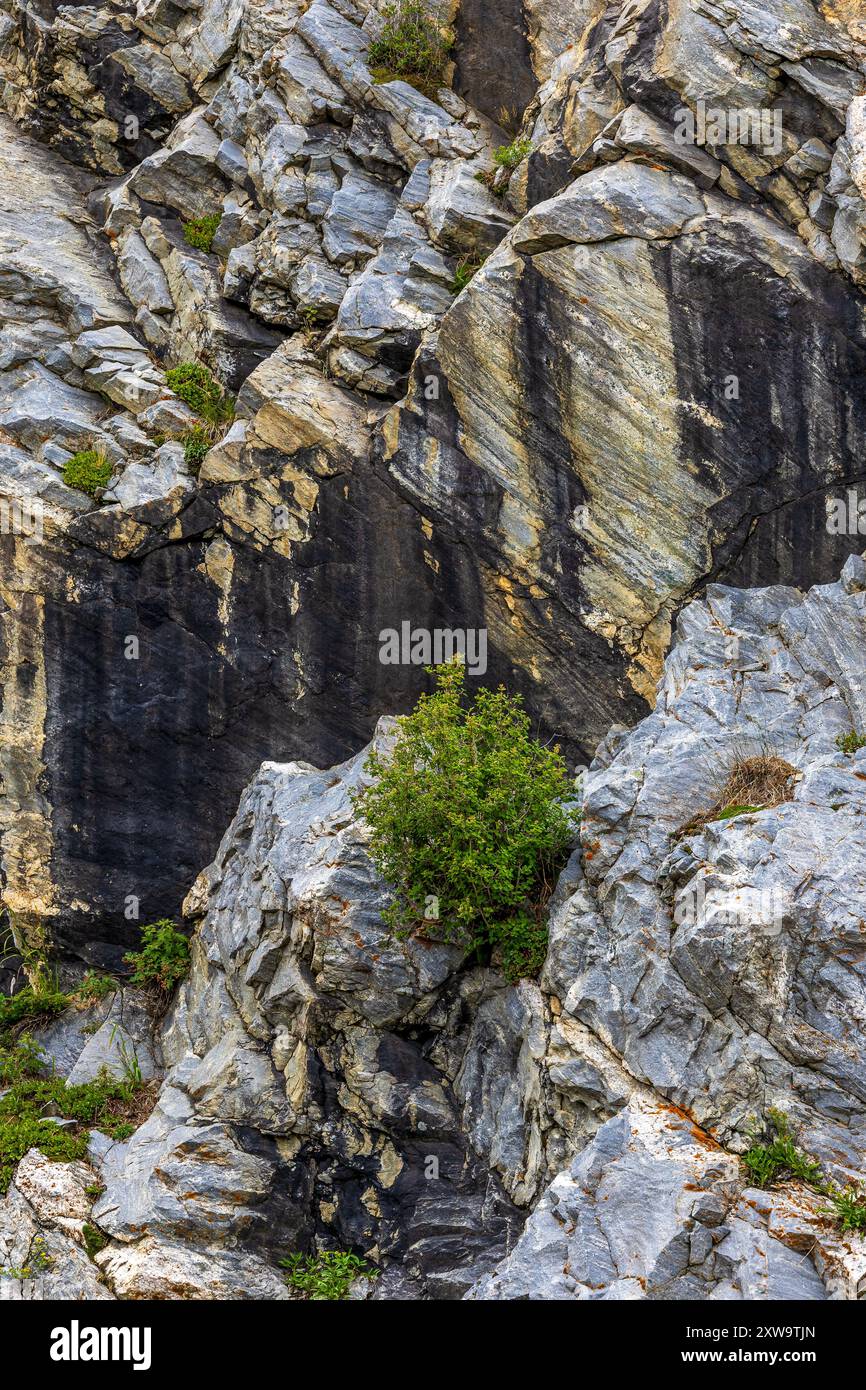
(753, 784)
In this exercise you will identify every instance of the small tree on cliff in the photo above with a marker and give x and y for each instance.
(471, 822)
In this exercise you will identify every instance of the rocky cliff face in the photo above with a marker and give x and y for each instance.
(568, 406)
(326, 1080)
(652, 382)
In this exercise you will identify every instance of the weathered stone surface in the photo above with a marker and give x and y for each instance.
(302, 1024)
(637, 1216)
(602, 424)
(42, 1251)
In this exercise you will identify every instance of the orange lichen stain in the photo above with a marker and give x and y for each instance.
(701, 1136)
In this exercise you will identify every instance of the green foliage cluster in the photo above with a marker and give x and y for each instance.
(325, 1277)
(92, 989)
(472, 814)
(196, 385)
(467, 266)
(779, 1157)
(509, 156)
(163, 959)
(849, 1208)
(30, 1003)
(38, 1263)
(89, 471)
(199, 232)
(413, 45)
(774, 1157)
(94, 1239)
(196, 443)
(850, 743)
(30, 1099)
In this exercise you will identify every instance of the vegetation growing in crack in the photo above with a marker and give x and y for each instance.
(413, 46)
(774, 1157)
(88, 471)
(326, 1277)
(163, 959)
(38, 1262)
(33, 1102)
(774, 1154)
(471, 819)
(467, 266)
(198, 388)
(851, 743)
(93, 989)
(196, 444)
(508, 157)
(94, 1239)
(753, 784)
(199, 232)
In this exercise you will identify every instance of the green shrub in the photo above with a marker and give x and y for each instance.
(472, 815)
(196, 443)
(89, 471)
(196, 385)
(93, 988)
(779, 1156)
(200, 231)
(163, 959)
(30, 1003)
(850, 743)
(509, 156)
(325, 1277)
(413, 45)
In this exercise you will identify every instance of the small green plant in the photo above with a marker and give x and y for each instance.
(414, 45)
(509, 156)
(774, 1157)
(308, 314)
(730, 812)
(128, 1057)
(94, 1239)
(199, 232)
(196, 385)
(325, 1277)
(849, 1208)
(196, 443)
(88, 471)
(39, 1261)
(471, 821)
(850, 743)
(93, 989)
(29, 1004)
(163, 959)
(467, 266)
(778, 1156)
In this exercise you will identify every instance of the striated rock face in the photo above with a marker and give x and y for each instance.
(315, 1084)
(605, 400)
(577, 1138)
(653, 382)
(724, 969)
